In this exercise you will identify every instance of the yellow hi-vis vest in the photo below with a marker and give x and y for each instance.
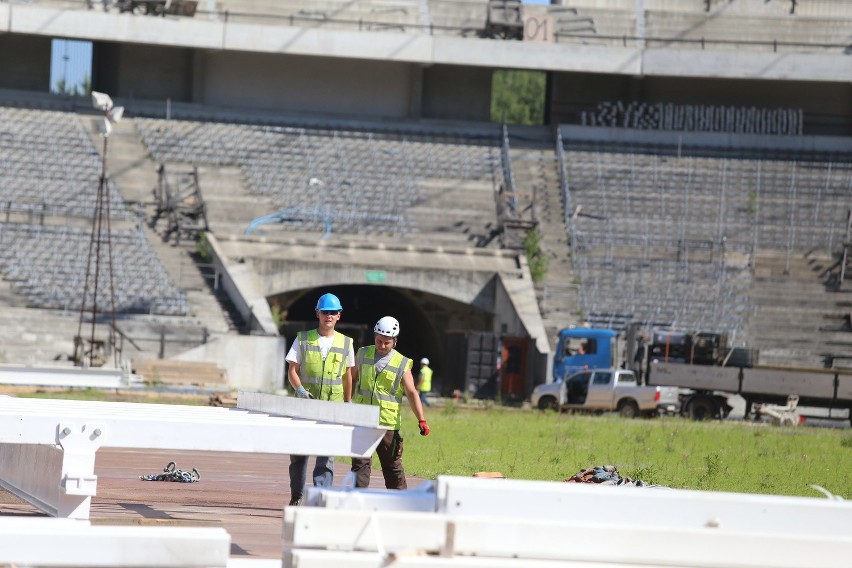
(323, 378)
(385, 389)
(425, 379)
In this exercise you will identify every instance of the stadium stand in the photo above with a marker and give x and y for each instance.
(48, 192)
(669, 239)
(365, 182)
(48, 164)
(47, 264)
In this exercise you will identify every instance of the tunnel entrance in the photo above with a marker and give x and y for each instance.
(425, 319)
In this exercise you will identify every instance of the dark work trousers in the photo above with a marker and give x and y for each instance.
(323, 473)
(390, 456)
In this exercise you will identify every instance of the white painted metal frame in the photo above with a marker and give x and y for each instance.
(642, 506)
(421, 498)
(514, 523)
(71, 377)
(597, 539)
(41, 541)
(47, 447)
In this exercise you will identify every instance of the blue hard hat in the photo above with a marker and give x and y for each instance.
(329, 302)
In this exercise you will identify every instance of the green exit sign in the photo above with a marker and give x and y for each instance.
(376, 275)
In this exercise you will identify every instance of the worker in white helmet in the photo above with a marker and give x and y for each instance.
(382, 374)
(320, 363)
(424, 381)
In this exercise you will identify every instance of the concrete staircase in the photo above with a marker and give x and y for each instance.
(135, 175)
(535, 169)
(797, 318)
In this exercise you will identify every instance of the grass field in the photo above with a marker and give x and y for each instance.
(675, 452)
(740, 457)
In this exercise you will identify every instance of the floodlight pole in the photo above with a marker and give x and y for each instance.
(100, 235)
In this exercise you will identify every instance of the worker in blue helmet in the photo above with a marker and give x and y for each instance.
(320, 363)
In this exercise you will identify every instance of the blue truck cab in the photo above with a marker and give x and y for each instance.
(581, 348)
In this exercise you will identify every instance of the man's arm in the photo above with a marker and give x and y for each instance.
(347, 384)
(293, 375)
(412, 396)
(354, 374)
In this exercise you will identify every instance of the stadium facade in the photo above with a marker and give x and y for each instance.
(687, 147)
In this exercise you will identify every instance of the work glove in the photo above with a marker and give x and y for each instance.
(301, 392)
(424, 428)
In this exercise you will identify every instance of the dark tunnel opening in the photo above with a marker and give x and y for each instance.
(424, 319)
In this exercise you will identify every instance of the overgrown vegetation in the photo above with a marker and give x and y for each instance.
(517, 97)
(82, 89)
(536, 259)
(202, 247)
(739, 457)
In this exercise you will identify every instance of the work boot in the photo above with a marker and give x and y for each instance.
(295, 501)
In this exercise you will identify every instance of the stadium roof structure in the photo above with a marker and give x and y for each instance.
(655, 42)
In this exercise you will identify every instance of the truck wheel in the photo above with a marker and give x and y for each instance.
(628, 408)
(701, 409)
(547, 403)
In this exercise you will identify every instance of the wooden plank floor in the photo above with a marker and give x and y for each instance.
(244, 493)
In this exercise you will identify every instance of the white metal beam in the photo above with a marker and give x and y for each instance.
(308, 558)
(600, 539)
(55, 376)
(40, 541)
(177, 427)
(365, 415)
(421, 498)
(57, 439)
(676, 508)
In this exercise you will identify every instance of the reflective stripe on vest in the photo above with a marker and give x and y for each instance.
(311, 353)
(390, 368)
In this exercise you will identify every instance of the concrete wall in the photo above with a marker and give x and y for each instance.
(490, 288)
(456, 92)
(132, 71)
(252, 362)
(827, 106)
(308, 84)
(25, 62)
(378, 74)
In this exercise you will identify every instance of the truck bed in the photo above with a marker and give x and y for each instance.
(815, 387)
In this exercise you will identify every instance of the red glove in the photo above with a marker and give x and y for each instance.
(424, 428)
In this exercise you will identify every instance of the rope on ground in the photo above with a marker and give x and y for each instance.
(172, 473)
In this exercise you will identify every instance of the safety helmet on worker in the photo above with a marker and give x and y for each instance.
(387, 326)
(329, 302)
(424, 361)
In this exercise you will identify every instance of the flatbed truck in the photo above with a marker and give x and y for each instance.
(708, 387)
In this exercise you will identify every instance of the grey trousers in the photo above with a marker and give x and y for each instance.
(323, 473)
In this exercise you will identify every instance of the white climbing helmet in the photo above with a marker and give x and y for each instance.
(424, 361)
(387, 326)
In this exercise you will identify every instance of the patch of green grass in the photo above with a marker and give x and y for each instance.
(739, 457)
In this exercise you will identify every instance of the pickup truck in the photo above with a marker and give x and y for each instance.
(601, 390)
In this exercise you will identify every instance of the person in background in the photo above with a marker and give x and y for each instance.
(424, 381)
(382, 374)
(320, 367)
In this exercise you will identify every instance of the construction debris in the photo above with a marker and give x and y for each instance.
(606, 475)
(172, 473)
